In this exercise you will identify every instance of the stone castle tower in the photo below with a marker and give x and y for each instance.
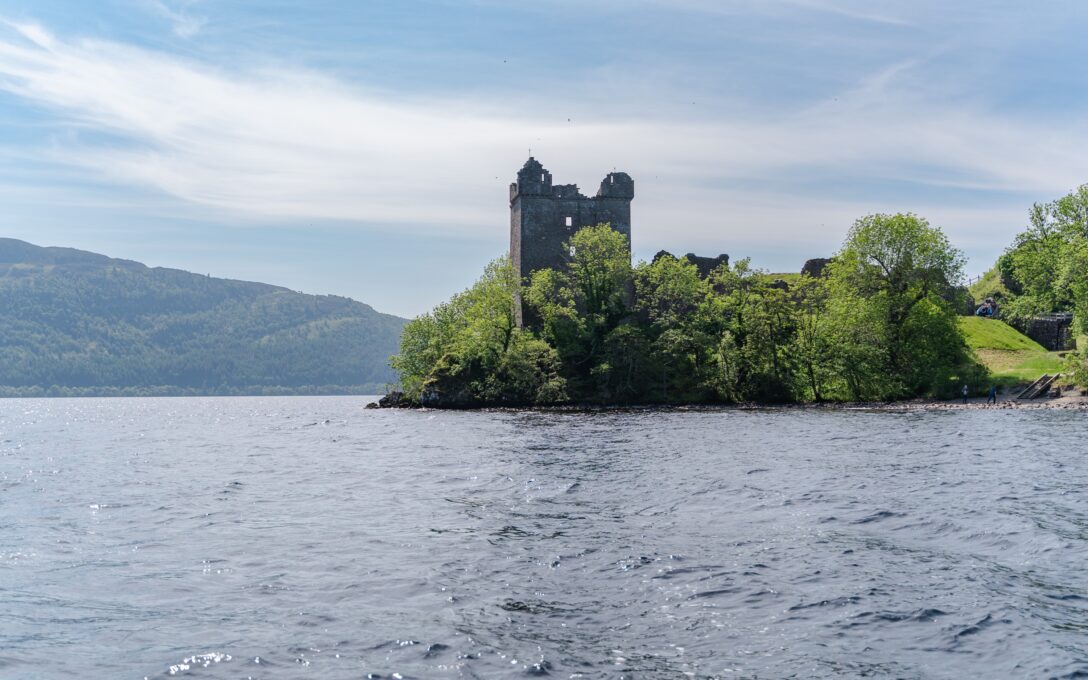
(544, 216)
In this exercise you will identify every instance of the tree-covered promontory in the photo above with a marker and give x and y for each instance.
(878, 324)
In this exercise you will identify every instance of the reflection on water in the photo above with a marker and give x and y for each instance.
(306, 537)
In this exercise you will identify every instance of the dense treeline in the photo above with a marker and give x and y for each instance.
(880, 324)
(1045, 269)
(79, 323)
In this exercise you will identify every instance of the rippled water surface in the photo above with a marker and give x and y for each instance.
(309, 538)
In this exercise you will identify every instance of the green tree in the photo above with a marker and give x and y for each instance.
(892, 289)
(1047, 265)
(1046, 268)
(469, 350)
(579, 307)
(600, 271)
(669, 291)
(670, 296)
(881, 326)
(813, 347)
(752, 323)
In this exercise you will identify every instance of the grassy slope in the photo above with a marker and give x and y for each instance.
(1011, 356)
(787, 277)
(989, 285)
(993, 334)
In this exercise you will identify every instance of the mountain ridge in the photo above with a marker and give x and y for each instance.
(78, 322)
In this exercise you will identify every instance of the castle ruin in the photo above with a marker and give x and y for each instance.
(543, 216)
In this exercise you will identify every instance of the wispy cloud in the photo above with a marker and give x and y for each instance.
(858, 11)
(183, 23)
(258, 144)
(866, 11)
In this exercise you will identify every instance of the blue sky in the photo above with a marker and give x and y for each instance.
(365, 148)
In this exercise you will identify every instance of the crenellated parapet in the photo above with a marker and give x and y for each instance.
(617, 185)
(544, 216)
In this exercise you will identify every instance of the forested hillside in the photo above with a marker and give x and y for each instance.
(74, 322)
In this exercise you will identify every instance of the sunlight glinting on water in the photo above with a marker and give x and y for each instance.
(282, 538)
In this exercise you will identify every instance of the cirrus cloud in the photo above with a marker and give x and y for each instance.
(260, 143)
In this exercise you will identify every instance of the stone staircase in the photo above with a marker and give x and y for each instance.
(1039, 388)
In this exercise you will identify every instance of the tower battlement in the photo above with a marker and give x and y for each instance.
(543, 215)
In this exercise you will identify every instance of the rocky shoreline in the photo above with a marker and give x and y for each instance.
(1062, 403)
(1065, 402)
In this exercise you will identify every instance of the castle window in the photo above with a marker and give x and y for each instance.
(570, 221)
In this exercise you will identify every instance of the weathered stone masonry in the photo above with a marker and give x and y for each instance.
(1052, 331)
(544, 216)
(705, 265)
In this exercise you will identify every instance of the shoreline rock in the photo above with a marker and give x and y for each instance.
(395, 399)
(398, 400)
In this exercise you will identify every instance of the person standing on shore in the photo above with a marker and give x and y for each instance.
(991, 398)
(965, 393)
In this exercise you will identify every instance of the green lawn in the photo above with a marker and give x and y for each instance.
(1011, 356)
(1013, 367)
(993, 334)
(790, 278)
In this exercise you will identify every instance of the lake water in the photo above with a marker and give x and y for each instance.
(309, 538)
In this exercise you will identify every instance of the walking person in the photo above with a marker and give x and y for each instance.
(991, 398)
(965, 393)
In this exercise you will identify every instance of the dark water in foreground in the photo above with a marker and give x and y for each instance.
(308, 538)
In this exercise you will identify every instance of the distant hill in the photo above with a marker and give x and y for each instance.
(74, 322)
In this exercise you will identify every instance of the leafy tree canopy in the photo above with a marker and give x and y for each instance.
(1046, 267)
(880, 326)
(1045, 270)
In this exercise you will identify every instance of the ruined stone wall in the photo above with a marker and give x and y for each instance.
(1052, 331)
(543, 216)
(704, 265)
(815, 267)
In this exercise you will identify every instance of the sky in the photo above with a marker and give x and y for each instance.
(365, 148)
